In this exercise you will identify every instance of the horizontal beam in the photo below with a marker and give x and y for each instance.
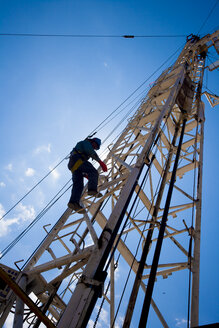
(67, 259)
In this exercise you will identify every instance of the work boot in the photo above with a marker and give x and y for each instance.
(95, 193)
(76, 207)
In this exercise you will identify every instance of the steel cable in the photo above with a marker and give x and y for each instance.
(37, 218)
(32, 189)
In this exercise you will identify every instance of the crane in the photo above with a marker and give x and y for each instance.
(149, 213)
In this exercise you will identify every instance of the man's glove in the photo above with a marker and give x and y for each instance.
(103, 166)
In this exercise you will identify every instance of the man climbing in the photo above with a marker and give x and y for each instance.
(80, 167)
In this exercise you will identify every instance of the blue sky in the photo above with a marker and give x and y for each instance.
(55, 91)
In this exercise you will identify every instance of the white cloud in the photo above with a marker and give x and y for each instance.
(29, 172)
(2, 211)
(5, 225)
(25, 213)
(91, 324)
(55, 174)
(40, 198)
(9, 167)
(103, 320)
(104, 316)
(181, 322)
(105, 64)
(2, 184)
(43, 148)
(119, 322)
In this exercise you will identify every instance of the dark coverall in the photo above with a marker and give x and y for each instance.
(79, 166)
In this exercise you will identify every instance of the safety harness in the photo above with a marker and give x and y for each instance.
(76, 161)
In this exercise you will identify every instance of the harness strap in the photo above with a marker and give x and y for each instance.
(75, 151)
(82, 158)
(76, 165)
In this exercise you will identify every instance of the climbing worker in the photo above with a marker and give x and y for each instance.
(80, 167)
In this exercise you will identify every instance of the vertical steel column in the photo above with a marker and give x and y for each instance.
(197, 234)
(19, 310)
(149, 291)
(112, 291)
(196, 258)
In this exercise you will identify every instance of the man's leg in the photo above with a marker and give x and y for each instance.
(92, 173)
(77, 188)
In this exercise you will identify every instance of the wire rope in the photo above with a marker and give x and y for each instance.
(205, 21)
(100, 124)
(37, 218)
(137, 248)
(134, 258)
(213, 93)
(213, 64)
(106, 291)
(32, 189)
(125, 225)
(212, 56)
(90, 35)
(40, 215)
(96, 129)
(99, 311)
(126, 115)
(142, 92)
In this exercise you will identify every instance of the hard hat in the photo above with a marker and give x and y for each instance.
(97, 141)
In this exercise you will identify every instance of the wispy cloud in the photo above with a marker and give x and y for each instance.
(104, 316)
(55, 174)
(91, 324)
(9, 167)
(24, 213)
(40, 198)
(43, 148)
(2, 184)
(6, 224)
(103, 320)
(29, 172)
(119, 322)
(105, 64)
(181, 322)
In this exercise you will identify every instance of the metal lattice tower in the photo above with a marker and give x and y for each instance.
(149, 213)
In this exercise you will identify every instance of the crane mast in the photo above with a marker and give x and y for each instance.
(149, 217)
